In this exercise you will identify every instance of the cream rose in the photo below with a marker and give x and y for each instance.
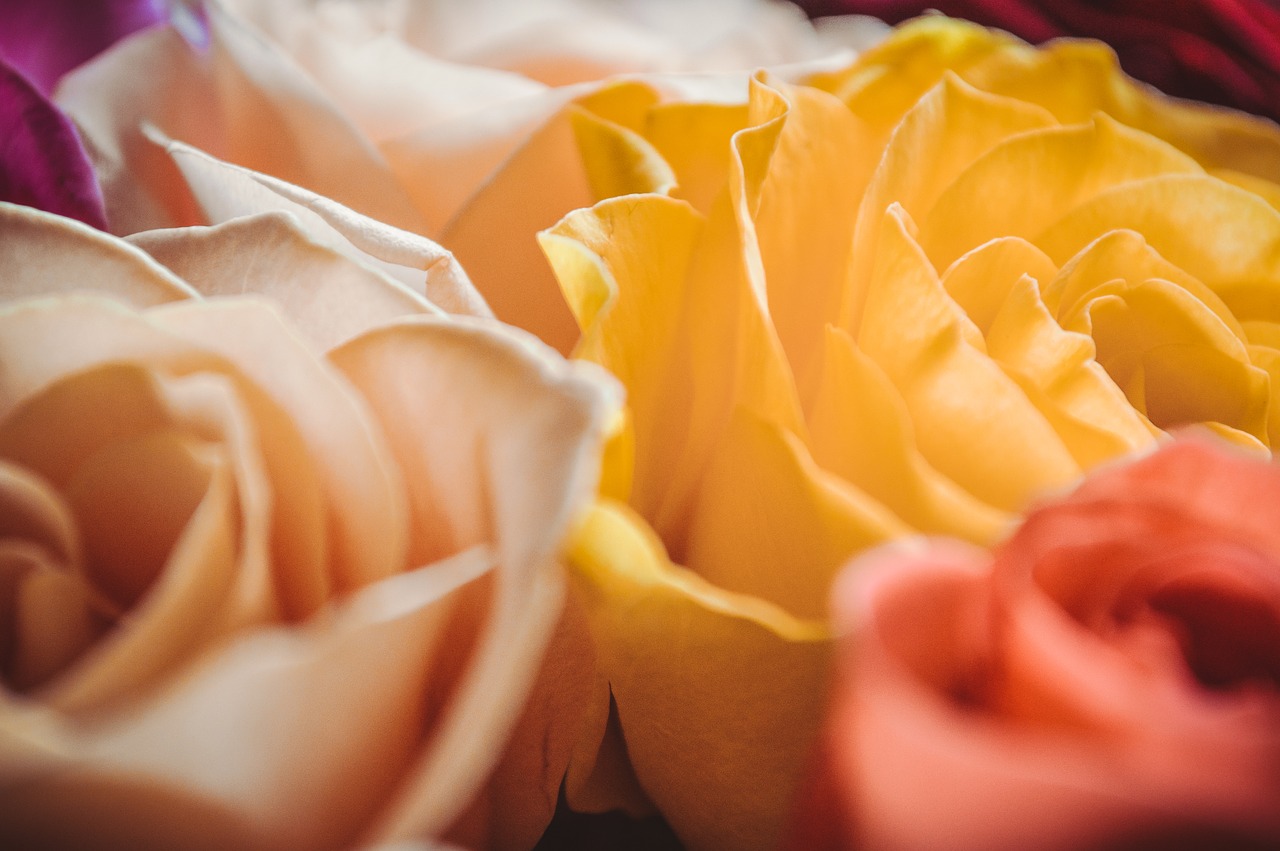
(455, 121)
(267, 582)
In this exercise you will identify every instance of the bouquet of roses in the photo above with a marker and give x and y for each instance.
(429, 425)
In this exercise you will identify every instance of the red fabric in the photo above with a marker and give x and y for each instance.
(1108, 678)
(1217, 51)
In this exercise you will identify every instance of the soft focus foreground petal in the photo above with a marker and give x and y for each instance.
(328, 298)
(233, 94)
(247, 740)
(47, 39)
(43, 163)
(225, 191)
(498, 410)
(717, 742)
(45, 254)
(770, 523)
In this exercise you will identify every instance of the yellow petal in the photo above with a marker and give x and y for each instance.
(940, 136)
(693, 138)
(1074, 79)
(981, 279)
(1025, 184)
(1058, 371)
(770, 523)
(862, 431)
(804, 200)
(972, 422)
(719, 742)
(1224, 236)
(622, 265)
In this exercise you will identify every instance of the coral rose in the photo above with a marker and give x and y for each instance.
(913, 294)
(1107, 678)
(267, 583)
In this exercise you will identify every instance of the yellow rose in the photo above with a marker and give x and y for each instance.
(910, 296)
(450, 120)
(266, 583)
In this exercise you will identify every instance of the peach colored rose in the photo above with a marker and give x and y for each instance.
(1109, 677)
(268, 583)
(451, 120)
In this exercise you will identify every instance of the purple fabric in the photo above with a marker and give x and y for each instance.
(45, 39)
(42, 161)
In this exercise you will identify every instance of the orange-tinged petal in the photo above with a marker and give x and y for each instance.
(717, 743)
(769, 522)
(861, 430)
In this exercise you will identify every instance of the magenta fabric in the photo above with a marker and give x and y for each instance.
(42, 161)
(45, 39)
(1219, 51)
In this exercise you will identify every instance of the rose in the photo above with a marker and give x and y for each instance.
(266, 584)
(445, 120)
(1219, 51)
(1109, 676)
(913, 295)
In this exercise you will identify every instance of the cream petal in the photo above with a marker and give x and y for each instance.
(225, 192)
(361, 482)
(251, 731)
(44, 254)
(327, 297)
(231, 92)
(499, 440)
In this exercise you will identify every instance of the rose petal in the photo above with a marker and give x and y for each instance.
(328, 298)
(44, 164)
(46, 255)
